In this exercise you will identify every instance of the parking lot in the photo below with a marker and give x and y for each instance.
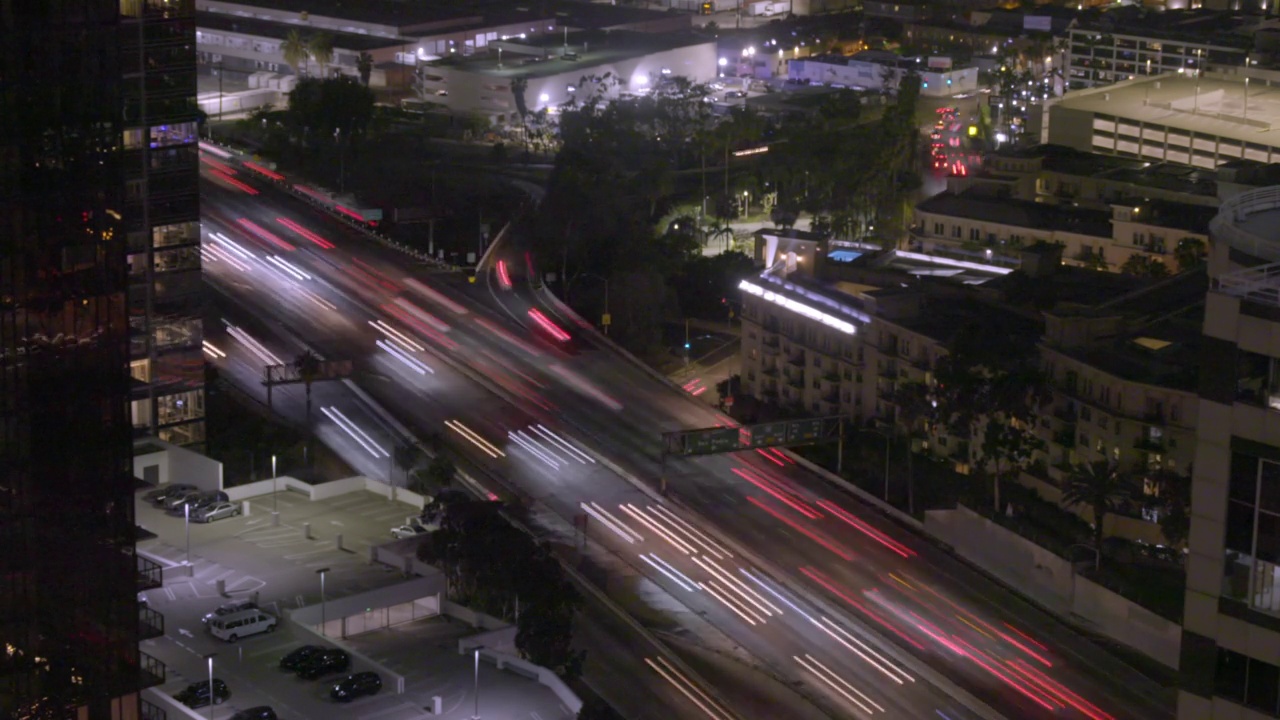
(249, 555)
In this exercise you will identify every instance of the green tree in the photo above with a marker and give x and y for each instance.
(518, 87)
(441, 471)
(1144, 266)
(320, 46)
(296, 52)
(329, 115)
(364, 66)
(1190, 253)
(405, 456)
(596, 709)
(1100, 486)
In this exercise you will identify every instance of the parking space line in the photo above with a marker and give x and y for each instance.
(223, 576)
(324, 547)
(398, 708)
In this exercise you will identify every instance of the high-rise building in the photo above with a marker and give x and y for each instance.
(99, 321)
(1231, 629)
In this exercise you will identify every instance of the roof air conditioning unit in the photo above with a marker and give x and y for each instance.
(1106, 97)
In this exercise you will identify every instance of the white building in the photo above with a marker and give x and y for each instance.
(481, 84)
(1198, 121)
(878, 70)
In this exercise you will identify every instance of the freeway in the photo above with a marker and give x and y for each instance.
(869, 618)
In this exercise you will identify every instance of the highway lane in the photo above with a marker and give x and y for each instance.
(545, 463)
(990, 664)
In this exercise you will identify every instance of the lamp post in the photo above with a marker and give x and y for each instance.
(209, 659)
(186, 514)
(321, 573)
(275, 491)
(476, 716)
(883, 431)
(1097, 560)
(219, 98)
(606, 319)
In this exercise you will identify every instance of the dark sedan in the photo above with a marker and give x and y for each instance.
(299, 657)
(262, 712)
(196, 694)
(356, 685)
(327, 661)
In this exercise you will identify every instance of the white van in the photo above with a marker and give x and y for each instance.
(234, 626)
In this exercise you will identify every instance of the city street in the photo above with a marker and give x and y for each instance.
(868, 618)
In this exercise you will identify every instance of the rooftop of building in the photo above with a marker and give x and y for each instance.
(1203, 27)
(1164, 352)
(1066, 286)
(279, 31)
(597, 16)
(395, 13)
(943, 317)
(541, 56)
(1019, 213)
(1175, 215)
(1209, 105)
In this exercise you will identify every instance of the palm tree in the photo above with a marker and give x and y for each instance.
(321, 47)
(295, 51)
(407, 456)
(308, 366)
(1102, 487)
(364, 66)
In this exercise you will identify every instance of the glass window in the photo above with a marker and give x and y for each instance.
(173, 134)
(176, 234)
(1263, 686)
(1229, 679)
(1268, 547)
(1242, 484)
(1269, 492)
(1240, 527)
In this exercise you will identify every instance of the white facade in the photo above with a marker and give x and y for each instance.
(855, 73)
(479, 86)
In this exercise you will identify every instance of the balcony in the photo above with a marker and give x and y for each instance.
(769, 371)
(150, 623)
(1066, 413)
(831, 377)
(1150, 444)
(796, 381)
(889, 371)
(796, 360)
(1065, 438)
(771, 345)
(150, 574)
(150, 670)
(831, 398)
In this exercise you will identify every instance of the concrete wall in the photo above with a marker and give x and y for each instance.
(527, 669)
(1049, 580)
(178, 465)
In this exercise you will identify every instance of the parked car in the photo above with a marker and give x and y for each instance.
(262, 712)
(297, 658)
(158, 495)
(242, 624)
(409, 530)
(329, 660)
(196, 694)
(197, 501)
(356, 685)
(216, 511)
(177, 500)
(229, 608)
(734, 95)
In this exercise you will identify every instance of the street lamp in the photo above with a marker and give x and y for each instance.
(209, 658)
(186, 513)
(476, 716)
(275, 491)
(878, 430)
(321, 573)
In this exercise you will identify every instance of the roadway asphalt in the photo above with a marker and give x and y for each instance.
(868, 619)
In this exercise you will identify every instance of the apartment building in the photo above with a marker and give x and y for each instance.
(99, 266)
(988, 226)
(1128, 43)
(1231, 628)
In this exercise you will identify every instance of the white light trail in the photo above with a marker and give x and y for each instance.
(411, 362)
(211, 350)
(663, 570)
(233, 245)
(733, 580)
(675, 542)
(354, 431)
(317, 299)
(776, 594)
(489, 448)
(529, 444)
(731, 585)
(397, 336)
(434, 296)
(574, 452)
(838, 684)
(674, 571)
(255, 347)
(742, 611)
(215, 150)
(421, 315)
(688, 689)
(798, 307)
(223, 254)
(611, 522)
(295, 272)
(707, 543)
(873, 658)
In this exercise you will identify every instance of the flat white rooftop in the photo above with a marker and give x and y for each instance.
(1212, 105)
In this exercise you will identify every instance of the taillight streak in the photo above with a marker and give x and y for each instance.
(233, 182)
(866, 529)
(305, 233)
(840, 593)
(813, 535)
(270, 237)
(774, 490)
(550, 327)
(503, 277)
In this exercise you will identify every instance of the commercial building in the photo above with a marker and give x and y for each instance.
(1131, 42)
(553, 68)
(992, 227)
(99, 264)
(880, 70)
(1231, 627)
(1202, 121)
